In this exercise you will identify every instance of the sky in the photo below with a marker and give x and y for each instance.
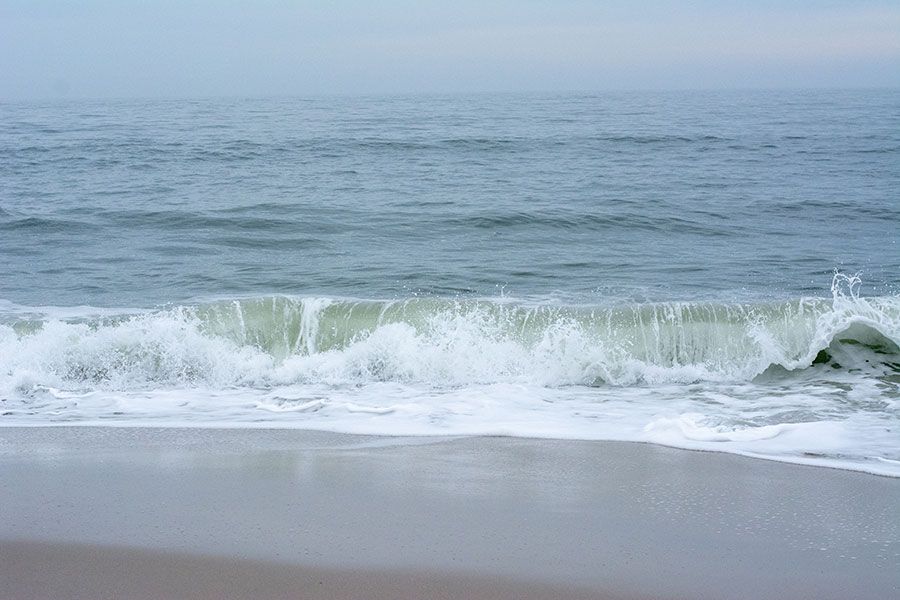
(203, 48)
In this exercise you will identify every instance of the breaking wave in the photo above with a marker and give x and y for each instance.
(281, 340)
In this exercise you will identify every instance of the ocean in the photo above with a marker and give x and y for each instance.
(707, 270)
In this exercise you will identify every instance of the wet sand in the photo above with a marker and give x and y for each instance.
(95, 572)
(152, 513)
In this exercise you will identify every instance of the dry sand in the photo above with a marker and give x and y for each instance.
(159, 513)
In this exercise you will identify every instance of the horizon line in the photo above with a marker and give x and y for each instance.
(450, 93)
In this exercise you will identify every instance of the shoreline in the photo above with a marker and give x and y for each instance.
(427, 438)
(612, 519)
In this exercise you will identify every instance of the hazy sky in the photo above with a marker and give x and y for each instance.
(126, 48)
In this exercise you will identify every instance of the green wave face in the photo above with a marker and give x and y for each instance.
(741, 340)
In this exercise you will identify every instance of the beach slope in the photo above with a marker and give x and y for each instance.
(146, 513)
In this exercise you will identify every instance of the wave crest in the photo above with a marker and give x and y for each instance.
(280, 340)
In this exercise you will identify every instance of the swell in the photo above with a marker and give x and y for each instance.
(583, 221)
(39, 225)
(282, 340)
(236, 150)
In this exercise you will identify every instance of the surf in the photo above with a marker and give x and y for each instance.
(813, 380)
(283, 339)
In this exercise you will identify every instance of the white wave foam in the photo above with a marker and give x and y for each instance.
(690, 427)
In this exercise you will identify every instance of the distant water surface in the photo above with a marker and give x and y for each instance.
(711, 270)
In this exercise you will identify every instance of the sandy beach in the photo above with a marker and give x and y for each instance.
(206, 513)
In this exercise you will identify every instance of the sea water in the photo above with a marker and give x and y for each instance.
(709, 270)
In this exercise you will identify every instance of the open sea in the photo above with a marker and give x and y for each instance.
(706, 270)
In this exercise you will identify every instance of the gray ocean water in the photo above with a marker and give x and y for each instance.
(705, 269)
